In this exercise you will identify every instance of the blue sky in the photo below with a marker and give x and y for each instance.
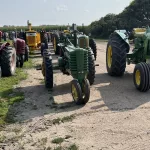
(17, 12)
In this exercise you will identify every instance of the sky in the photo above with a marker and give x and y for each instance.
(57, 12)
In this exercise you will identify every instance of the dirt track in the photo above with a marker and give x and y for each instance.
(116, 117)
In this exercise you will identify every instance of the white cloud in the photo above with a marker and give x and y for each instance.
(62, 8)
(86, 10)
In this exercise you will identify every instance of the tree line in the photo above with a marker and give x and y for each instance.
(137, 14)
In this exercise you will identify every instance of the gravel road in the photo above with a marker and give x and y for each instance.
(117, 116)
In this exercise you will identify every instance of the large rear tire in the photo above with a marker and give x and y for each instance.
(92, 44)
(141, 77)
(48, 67)
(8, 61)
(116, 55)
(91, 67)
(42, 48)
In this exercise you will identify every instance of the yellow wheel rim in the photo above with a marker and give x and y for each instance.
(54, 44)
(109, 56)
(74, 93)
(138, 77)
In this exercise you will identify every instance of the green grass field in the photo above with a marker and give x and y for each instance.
(8, 96)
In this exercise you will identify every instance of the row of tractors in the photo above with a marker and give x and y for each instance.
(15, 54)
(76, 57)
(12, 56)
(77, 54)
(119, 53)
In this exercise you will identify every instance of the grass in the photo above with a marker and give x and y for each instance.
(63, 120)
(8, 96)
(68, 118)
(73, 147)
(58, 148)
(29, 64)
(2, 138)
(9, 41)
(58, 140)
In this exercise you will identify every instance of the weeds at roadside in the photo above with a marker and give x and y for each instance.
(8, 96)
(63, 120)
(2, 138)
(58, 148)
(67, 118)
(58, 140)
(73, 147)
(29, 64)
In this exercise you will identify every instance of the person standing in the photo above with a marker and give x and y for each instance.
(1, 36)
(4, 36)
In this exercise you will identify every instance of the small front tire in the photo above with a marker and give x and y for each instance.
(141, 77)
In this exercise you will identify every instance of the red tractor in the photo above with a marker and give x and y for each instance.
(7, 60)
(22, 51)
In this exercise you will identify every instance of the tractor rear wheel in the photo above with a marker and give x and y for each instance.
(55, 42)
(8, 61)
(91, 67)
(42, 48)
(92, 44)
(76, 92)
(21, 61)
(116, 56)
(26, 58)
(141, 77)
(48, 68)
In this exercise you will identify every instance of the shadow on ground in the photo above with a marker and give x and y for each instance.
(39, 101)
(119, 93)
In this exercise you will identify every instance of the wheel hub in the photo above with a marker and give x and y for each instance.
(138, 77)
(74, 93)
(109, 56)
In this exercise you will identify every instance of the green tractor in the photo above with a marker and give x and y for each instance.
(118, 53)
(76, 60)
(59, 37)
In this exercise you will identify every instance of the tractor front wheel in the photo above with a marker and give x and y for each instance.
(80, 94)
(48, 68)
(91, 67)
(92, 44)
(141, 77)
(85, 91)
(55, 42)
(76, 92)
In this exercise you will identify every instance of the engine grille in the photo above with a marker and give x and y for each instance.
(79, 61)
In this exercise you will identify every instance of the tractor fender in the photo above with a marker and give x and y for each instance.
(123, 34)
